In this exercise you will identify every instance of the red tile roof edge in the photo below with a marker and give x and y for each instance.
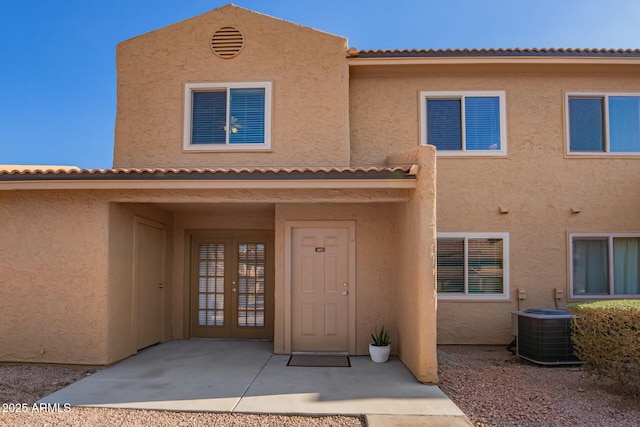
(168, 173)
(577, 52)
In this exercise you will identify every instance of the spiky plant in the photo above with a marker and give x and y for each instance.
(381, 338)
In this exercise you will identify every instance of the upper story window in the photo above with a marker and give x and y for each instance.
(605, 265)
(227, 116)
(600, 123)
(473, 266)
(464, 123)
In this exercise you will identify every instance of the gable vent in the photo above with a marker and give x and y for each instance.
(227, 42)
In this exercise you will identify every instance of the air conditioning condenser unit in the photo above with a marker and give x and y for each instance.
(543, 336)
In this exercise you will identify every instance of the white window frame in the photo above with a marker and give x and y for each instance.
(611, 294)
(605, 111)
(505, 269)
(190, 88)
(425, 95)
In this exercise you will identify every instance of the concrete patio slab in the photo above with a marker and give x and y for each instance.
(365, 388)
(244, 376)
(194, 375)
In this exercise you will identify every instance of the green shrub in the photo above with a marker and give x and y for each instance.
(606, 335)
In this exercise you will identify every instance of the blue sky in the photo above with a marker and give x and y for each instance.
(57, 62)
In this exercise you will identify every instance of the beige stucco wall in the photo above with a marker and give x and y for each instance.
(120, 309)
(53, 260)
(120, 340)
(71, 277)
(376, 229)
(416, 302)
(202, 219)
(67, 262)
(376, 263)
(536, 181)
(308, 70)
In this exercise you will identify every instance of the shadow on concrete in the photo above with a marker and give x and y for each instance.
(244, 376)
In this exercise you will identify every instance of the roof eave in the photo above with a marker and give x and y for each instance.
(138, 184)
(435, 60)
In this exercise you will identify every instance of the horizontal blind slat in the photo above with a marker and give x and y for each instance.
(209, 117)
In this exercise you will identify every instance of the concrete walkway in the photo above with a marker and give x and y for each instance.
(244, 376)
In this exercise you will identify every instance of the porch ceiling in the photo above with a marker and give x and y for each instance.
(219, 208)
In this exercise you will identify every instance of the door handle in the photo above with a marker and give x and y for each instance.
(233, 289)
(345, 292)
(161, 285)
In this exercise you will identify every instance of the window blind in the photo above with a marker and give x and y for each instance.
(485, 266)
(444, 124)
(209, 117)
(211, 285)
(624, 123)
(450, 265)
(246, 121)
(482, 123)
(586, 124)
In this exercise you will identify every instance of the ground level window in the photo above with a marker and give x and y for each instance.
(605, 265)
(473, 266)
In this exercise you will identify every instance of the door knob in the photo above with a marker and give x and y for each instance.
(161, 285)
(233, 289)
(345, 293)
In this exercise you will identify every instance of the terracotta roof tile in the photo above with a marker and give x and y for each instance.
(533, 52)
(207, 173)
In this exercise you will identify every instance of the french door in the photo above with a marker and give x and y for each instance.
(232, 285)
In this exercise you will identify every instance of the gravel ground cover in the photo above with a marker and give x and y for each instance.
(492, 386)
(495, 388)
(82, 417)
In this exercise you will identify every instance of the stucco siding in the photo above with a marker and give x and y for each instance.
(416, 293)
(120, 294)
(376, 263)
(376, 249)
(536, 182)
(203, 220)
(54, 277)
(120, 297)
(307, 68)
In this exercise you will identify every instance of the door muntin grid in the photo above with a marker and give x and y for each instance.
(251, 285)
(211, 258)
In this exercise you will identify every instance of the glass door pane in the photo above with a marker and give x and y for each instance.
(251, 285)
(211, 284)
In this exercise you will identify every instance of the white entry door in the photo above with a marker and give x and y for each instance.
(320, 268)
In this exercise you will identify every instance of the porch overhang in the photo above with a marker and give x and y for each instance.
(401, 177)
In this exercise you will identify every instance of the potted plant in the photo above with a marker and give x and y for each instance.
(380, 348)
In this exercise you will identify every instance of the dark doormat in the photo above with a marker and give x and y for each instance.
(319, 361)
